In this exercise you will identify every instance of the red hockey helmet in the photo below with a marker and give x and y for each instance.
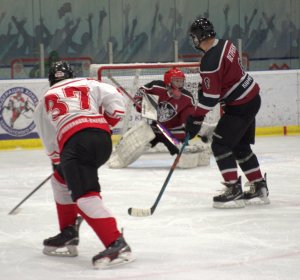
(174, 77)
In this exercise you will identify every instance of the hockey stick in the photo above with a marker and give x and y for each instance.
(121, 88)
(167, 134)
(29, 195)
(163, 130)
(143, 212)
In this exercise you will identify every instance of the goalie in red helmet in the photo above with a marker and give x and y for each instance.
(174, 105)
(174, 80)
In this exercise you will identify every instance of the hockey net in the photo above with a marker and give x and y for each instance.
(132, 76)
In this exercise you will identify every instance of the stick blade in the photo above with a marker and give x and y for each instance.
(14, 211)
(140, 212)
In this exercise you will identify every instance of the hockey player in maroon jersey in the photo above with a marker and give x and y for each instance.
(174, 105)
(76, 134)
(224, 81)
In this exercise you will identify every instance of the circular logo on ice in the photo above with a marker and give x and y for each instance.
(17, 107)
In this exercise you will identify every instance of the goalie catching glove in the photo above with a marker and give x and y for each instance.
(193, 125)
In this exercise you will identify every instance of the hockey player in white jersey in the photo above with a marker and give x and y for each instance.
(74, 120)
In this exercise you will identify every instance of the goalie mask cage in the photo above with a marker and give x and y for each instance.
(134, 75)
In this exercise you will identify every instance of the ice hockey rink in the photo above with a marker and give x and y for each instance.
(184, 239)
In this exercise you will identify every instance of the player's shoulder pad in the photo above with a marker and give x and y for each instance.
(186, 92)
(211, 59)
(155, 83)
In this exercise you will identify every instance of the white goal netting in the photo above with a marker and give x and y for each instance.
(132, 76)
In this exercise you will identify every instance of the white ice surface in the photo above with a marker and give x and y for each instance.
(184, 239)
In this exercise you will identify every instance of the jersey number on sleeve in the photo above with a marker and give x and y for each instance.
(58, 106)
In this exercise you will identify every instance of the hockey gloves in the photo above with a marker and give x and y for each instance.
(193, 125)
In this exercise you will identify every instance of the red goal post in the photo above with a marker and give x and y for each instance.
(131, 76)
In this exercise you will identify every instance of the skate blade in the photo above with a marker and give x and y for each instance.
(257, 201)
(105, 263)
(67, 251)
(234, 204)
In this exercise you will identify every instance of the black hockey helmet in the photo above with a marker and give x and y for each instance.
(200, 30)
(59, 70)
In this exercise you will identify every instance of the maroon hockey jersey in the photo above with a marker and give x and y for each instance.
(172, 113)
(223, 78)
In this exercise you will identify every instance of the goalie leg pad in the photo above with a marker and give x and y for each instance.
(204, 158)
(195, 155)
(188, 160)
(132, 145)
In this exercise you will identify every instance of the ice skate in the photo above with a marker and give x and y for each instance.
(232, 196)
(116, 254)
(65, 243)
(258, 194)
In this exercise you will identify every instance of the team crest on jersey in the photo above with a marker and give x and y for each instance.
(16, 111)
(165, 111)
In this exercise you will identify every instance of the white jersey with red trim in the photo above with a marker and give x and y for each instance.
(75, 104)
